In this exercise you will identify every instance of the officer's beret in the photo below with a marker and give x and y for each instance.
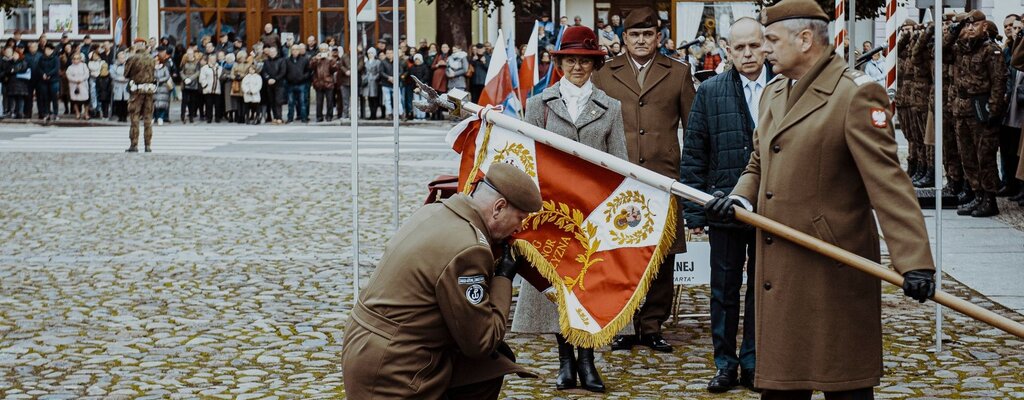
(792, 9)
(975, 16)
(515, 186)
(641, 18)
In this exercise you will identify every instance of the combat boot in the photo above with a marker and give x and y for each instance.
(953, 187)
(969, 207)
(966, 196)
(927, 179)
(566, 364)
(913, 171)
(132, 149)
(987, 207)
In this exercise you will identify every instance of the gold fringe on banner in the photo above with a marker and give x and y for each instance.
(585, 339)
(481, 156)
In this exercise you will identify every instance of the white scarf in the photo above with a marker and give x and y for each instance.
(575, 97)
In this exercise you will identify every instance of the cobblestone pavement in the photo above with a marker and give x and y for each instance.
(161, 276)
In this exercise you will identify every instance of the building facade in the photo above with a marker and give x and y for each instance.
(100, 19)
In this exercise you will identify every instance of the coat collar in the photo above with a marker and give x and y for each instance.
(813, 91)
(596, 106)
(621, 70)
(461, 205)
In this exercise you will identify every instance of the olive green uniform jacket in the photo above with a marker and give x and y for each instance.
(821, 168)
(433, 315)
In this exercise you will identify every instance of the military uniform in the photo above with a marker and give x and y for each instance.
(908, 102)
(430, 323)
(140, 69)
(950, 152)
(980, 85)
(920, 59)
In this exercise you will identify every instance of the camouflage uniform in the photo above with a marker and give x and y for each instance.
(950, 150)
(980, 77)
(140, 69)
(908, 89)
(920, 59)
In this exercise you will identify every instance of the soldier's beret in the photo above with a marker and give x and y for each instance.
(792, 9)
(975, 16)
(641, 18)
(948, 16)
(908, 22)
(515, 186)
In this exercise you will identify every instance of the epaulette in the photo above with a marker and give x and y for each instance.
(481, 238)
(859, 78)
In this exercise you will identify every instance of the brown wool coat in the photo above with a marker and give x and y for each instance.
(433, 315)
(821, 168)
(652, 115)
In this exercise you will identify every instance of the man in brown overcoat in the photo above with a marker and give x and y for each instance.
(430, 323)
(656, 93)
(824, 157)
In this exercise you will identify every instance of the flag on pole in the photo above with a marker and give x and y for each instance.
(553, 75)
(528, 71)
(596, 243)
(499, 88)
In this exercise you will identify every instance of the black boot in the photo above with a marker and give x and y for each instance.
(953, 187)
(912, 170)
(566, 364)
(1020, 195)
(927, 178)
(590, 379)
(987, 207)
(969, 207)
(966, 196)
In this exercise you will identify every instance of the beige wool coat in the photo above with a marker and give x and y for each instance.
(821, 167)
(433, 315)
(600, 126)
(652, 115)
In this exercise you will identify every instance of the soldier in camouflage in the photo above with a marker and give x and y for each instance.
(908, 88)
(980, 85)
(140, 69)
(921, 75)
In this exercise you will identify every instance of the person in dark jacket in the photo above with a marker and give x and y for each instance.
(479, 60)
(298, 75)
(6, 61)
(273, 83)
(324, 69)
(716, 150)
(49, 84)
(32, 57)
(17, 85)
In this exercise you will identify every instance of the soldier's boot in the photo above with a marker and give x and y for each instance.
(965, 196)
(590, 379)
(566, 364)
(149, 149)
(987, 207)
(969, 207)
(1020, 195)
(953, 187)
(912, 170)
(927, 179)
(133, 149)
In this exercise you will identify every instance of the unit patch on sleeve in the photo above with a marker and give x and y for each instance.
(475, 293)
(878, 118)
(469, 280)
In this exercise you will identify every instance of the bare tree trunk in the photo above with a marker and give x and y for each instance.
(455, 21)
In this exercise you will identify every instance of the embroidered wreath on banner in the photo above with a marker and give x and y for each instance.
(570, 220)
(519, 152)
(625, 212)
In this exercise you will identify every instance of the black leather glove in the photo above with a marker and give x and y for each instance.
(919, 284)
(719, 209)
(506, 265)
(954, 29)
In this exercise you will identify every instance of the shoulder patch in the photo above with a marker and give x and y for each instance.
(469, 280)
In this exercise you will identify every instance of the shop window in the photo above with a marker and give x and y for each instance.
(173, 3)
(285, 4)
(384, 21)
(21, 19)
(173, 24)
(332, 24)
(231, 3)
(332, 3)
(94, 16)
(203, 23)
(203, 3)
(58, 16)
(233, 24)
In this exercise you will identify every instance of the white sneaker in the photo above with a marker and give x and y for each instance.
(160, 121)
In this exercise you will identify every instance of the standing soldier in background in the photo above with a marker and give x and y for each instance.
(907, 90)
(140, 69)
(950, 152)
(921, 74)
(980, 85)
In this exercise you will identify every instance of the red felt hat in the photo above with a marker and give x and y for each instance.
(139, 40)
(579, 41)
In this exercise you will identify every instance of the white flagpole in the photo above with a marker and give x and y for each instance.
(395, 95)
(353, 113)
(937, 20)
(851, 58)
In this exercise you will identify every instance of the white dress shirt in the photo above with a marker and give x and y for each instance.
(752, 90)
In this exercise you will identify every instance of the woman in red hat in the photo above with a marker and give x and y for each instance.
(573, 108)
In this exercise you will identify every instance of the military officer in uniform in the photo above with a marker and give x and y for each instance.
(824, 158)
(980, 85)
(909, 87)
(140, 69)
(656, 93)
(430, 323)
(920, 55)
